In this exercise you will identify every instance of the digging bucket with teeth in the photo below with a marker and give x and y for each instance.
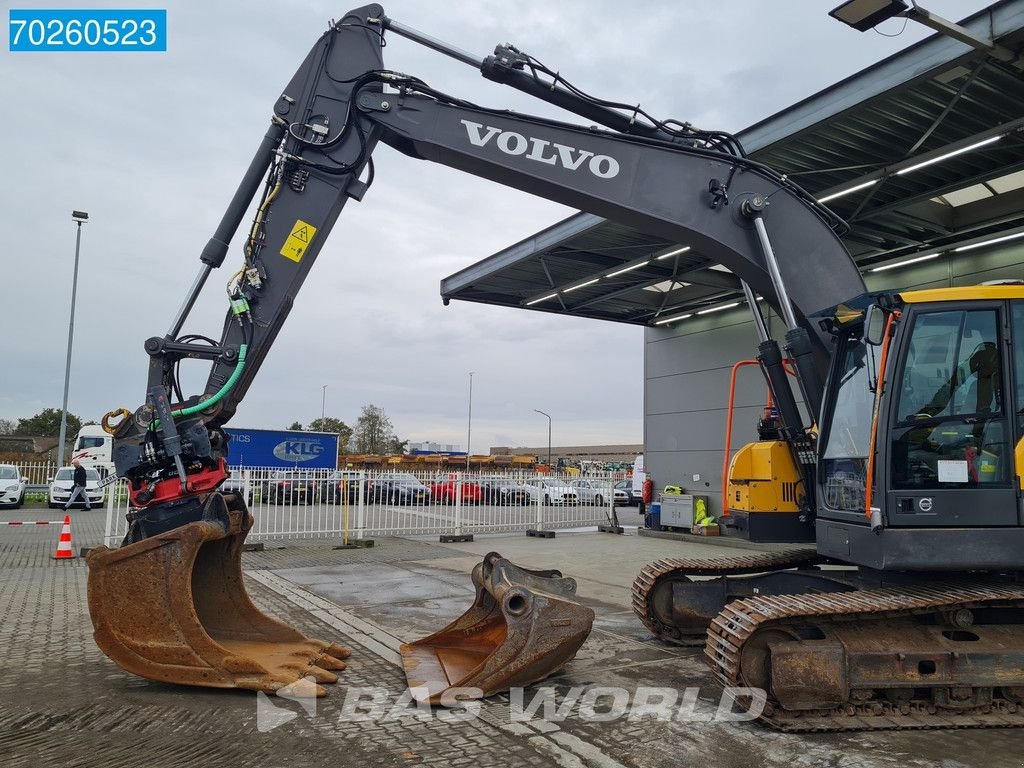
(172, 607)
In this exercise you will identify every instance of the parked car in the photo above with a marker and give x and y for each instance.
(620, 495)
(551, 491)
(590, 491)
(633, 497)
(445, 488)
(398, 488)
(503, 491)
(343, 484)
(63, 482)
(290, 488)
(12, 486)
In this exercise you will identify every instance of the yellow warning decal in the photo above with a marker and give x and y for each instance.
(298, 241)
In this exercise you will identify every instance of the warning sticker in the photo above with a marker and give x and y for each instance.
(298, 241)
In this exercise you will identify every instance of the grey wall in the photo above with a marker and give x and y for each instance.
(687, 368)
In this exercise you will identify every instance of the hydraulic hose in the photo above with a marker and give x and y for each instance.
(220, 393)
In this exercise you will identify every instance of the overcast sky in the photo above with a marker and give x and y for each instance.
(153, 145)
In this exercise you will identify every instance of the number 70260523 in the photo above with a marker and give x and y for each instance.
(87, 29)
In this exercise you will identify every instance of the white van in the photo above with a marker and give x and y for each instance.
(94, 448)
(639, 475)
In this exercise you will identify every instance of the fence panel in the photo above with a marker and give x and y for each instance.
(353, 504)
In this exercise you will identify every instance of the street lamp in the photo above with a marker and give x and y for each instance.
(323, 406)
(469, 423)
(549, 434)
(79, 217)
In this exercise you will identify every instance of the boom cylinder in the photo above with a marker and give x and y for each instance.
(215, 250)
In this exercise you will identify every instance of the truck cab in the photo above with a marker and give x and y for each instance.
(93, 448)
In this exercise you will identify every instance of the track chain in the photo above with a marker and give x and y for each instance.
(661, 571)
(738, 622)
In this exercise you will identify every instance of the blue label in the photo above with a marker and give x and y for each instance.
(87, 29)
(282, 450)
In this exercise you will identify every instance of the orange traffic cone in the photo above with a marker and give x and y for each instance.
(64, 550)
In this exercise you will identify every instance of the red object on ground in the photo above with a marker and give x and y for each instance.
(64, 551)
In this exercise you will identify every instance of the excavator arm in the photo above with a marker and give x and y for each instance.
(684, 185)
(170, 604)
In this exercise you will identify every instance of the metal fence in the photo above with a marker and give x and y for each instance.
(351, 504)
(39, 473)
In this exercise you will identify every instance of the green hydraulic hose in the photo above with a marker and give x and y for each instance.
(218, 396)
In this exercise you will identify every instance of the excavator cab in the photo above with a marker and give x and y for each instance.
(172, 607)
(523, 626)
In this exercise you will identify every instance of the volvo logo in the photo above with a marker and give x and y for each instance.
(540, 150)
(925, 504)
(298, 450)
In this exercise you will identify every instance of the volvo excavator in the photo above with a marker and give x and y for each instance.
(908, 610)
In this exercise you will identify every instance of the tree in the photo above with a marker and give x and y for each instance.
(296, 426)
(7, 427)
(330, 424)
(396, 446)
(46, 423)
(374, 432)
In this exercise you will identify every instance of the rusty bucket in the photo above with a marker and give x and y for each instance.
(173, 608)
(523, 626)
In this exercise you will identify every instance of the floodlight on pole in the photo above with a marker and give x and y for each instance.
(79, 217)
(549, 434)
(863, 15)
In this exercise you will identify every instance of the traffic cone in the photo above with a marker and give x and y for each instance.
(64, 550)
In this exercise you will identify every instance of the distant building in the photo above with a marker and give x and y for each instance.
(626, 452)
(428, 446)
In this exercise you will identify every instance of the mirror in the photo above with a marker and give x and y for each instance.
(874, 325)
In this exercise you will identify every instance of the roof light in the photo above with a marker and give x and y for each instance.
(947, 155)
(676, 252)
(842, 192)
(993, 241)
(718, 309)
(542, 298)
(862, 15)
(624, 270)
(668, 320)
(905, 262)
(581, 285)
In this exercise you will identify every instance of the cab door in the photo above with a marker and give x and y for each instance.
(951, 447)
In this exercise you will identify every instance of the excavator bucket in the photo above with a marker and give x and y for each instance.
(523, 626)
(173, 607)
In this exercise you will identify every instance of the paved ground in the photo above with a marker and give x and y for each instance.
(63, 703)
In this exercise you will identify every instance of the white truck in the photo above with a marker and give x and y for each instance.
(93, 448)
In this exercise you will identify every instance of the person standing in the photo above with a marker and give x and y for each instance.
(79, 486)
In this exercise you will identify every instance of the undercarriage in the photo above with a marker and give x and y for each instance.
(840, 648)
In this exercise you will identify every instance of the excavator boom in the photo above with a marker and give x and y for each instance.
(170, 602)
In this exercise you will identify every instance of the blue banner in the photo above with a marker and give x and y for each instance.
(282, 449)
(86, 29)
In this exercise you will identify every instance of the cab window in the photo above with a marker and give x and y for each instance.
(950, 428)
(1017, 313)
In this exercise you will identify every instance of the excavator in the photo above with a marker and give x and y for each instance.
(904, 457)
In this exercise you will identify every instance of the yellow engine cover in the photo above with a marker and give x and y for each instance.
(763, 478)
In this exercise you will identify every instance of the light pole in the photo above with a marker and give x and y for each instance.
(469, 422)
(323, 406)
(79, 217)
(549, 434)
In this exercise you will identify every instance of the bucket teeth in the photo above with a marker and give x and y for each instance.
(173, 608)
(523, 626)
